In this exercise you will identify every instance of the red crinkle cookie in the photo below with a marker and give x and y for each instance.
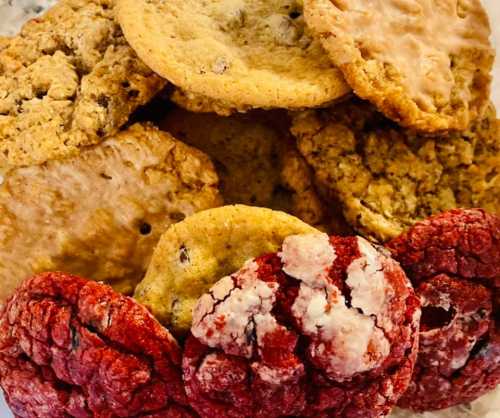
(70, 347)
(328, 327)
(453, 259)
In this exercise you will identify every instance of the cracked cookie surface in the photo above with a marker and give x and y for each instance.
(100, 214)
(70, 347)
(453, 261)
(193, 254)
(327, 326)
(240, 53)
(425, 64)
(388, 178)
(67, 81)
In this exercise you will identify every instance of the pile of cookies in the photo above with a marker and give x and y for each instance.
(132, 132)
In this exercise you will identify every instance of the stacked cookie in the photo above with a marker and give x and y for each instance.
(420, 138)
(120, 118)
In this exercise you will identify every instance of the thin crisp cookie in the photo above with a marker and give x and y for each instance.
(388, 178)
(238, 54)
(67, 81)
(424, 64)
(100, 214)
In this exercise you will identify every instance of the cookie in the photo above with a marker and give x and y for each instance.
(100, 214)
(70, 347)
(239, 53)
(246, 151)
(453, 260)
(67, 81)
(257, 163)
(195, 253)
(388, 178)
(425, 65)
(326, 327)
(307, 202)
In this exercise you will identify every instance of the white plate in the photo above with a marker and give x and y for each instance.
(489, 405)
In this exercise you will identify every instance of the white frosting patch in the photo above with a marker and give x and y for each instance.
(308, 258)
(367, 280)
(227, 317)
(344, 340)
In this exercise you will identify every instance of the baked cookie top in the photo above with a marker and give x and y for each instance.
(257, 162)
(99, 214)
(388, 178)
(68, 80)
(245, 148)
(424, 64)
(243, 53)
(195, 253)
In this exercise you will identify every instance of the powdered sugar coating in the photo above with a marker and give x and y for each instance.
(233, 310)
(367, 281)
(345, 339)
(308, 349)
(308, 257)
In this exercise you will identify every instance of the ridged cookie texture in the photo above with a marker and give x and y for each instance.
(100, 214)
(239, 53)
(195, 253)
(67, 81)
(425, 64)
(388, 178)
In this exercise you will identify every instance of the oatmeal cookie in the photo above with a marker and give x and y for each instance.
(425, 64)
(68, 80)
(388, 178)
(239, 53)
(246, 151)
(326, 327)
(257, 163)
(193, 254)
(100, 214)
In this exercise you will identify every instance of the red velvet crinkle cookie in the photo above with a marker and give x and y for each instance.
(74, 348)
(453, 259)
(328, 327)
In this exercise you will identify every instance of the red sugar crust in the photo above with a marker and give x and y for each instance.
(75, 348)
(453, 259)
(265, 361)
